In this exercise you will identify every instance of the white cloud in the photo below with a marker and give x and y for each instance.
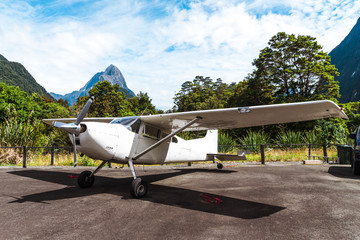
(158, 46)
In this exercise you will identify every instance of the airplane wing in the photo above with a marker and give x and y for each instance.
(71, 120)
(228, 118)
(241, 117)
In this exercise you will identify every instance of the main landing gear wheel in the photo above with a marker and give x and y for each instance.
(139, 188)
(219, 166)
(84, 180)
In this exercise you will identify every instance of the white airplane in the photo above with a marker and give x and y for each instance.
(152, 139)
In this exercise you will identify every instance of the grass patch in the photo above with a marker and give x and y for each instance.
(291, 155)
(38, 158)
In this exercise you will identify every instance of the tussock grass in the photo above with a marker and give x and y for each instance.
(10, 156)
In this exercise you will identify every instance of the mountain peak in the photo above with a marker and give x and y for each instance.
(112, 70)
(111, 74)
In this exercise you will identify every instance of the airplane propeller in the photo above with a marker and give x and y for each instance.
(75, 128)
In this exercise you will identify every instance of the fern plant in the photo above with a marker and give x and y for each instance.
(226, 143)
(253, 140)
(289, 138)
(13, 132)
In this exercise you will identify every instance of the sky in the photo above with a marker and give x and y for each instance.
(158, 45)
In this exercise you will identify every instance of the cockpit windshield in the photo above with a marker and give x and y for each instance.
(131, 123)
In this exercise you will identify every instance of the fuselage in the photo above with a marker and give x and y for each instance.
(120, 142)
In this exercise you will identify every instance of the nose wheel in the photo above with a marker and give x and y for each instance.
(86, 179)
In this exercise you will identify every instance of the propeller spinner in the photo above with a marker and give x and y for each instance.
(75, 128)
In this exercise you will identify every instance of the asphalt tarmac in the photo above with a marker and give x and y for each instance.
(198, 202)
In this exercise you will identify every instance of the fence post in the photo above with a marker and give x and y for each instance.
(52, 155)
(24, 156)
(309, 150)
(262, 150)
(324, 150)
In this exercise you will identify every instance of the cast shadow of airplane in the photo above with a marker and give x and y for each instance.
(171, 196)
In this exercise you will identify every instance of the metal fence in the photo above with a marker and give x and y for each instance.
(309, 151)
(24, 152)
(262, 151)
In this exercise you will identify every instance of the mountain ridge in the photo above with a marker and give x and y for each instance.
(15, 74)
(346, 58)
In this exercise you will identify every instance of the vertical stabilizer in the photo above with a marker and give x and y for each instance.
(212, 140)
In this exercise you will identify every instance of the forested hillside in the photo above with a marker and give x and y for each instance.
(346, 58)
(15, 74)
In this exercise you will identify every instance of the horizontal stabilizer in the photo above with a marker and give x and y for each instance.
(226, 157)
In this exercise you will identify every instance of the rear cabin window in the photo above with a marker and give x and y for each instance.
(152, 132)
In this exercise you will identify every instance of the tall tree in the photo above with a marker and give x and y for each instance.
(291, 69)
(141, 104)
(202, 93)
(109, 101)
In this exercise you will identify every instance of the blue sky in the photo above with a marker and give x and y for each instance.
(158, 45)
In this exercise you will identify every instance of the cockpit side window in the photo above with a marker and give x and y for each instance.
(136, 126)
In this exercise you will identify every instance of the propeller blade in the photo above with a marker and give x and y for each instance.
(58, 124)
(84, 111)
(68, 127)
(75, 153)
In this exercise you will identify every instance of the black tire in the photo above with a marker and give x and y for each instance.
(139, 188)
(84, 180)
(220, 166)
(356, 167)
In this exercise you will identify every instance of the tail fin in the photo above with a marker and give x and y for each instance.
(212, 139)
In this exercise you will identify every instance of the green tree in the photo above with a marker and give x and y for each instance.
(109, 101)
(202, 93)
(352, 110)
(50, 108)
(141, 105)
(17, 103)
(331, 132)
(291, 69)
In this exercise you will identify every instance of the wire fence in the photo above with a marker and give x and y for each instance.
(284, 152)
(55, 155)
(24, 154)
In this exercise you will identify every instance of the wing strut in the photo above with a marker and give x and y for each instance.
(166, 138)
